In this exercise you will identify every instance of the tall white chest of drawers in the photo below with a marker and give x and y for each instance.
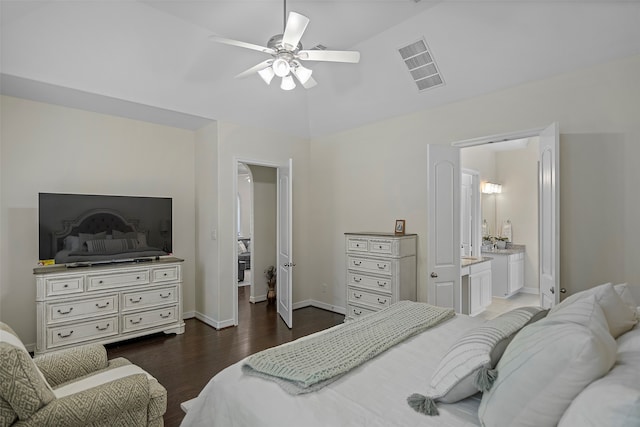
(103, 304)
(381, 270)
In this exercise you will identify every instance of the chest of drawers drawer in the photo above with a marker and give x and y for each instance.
(354, 311)
(371, 299)
(114, 280)
(382, 284)
(146, 319)
(369, 265)
(149, 297)
(164, 274)
(64, 285)
(63, 311)
(81, 332)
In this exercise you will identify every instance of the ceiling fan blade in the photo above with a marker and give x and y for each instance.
(242, 44)
(296, 24)
(309, 83)
(330, 55)
(255, 68)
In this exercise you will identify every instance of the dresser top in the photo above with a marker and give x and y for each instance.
(83, 266)
(381, 234)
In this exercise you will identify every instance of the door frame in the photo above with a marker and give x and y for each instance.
(530, 133)
(234, 246)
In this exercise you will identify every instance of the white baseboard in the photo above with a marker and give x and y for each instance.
(528, 290)
(214, 323)
(259, 298)
(188, 315)
(319, 304)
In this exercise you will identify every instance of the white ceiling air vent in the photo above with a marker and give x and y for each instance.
(420, 63)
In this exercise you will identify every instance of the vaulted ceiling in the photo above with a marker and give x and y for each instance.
(153, 60)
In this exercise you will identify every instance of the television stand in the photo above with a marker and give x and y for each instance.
(104, 303)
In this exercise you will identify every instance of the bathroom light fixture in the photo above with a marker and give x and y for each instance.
(491, 188)
(287, 83)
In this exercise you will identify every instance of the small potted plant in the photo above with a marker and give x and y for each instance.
(501, 242)
(270, 274)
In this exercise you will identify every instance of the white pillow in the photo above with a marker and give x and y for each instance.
(625, 295)
(620, 317)
(481, 347)
(613, 400)
(547, 365)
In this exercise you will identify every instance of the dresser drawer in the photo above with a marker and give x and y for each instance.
(151, 297)
(355, 312)
(370, 265)
(364, 297)
(378, 283)
(80, 332)
(164, 274)
(357, 244)
(62, 311)
(380, 246)
(129, 278)
(146, 319)
(64, 285)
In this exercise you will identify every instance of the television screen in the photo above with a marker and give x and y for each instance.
(86, 228)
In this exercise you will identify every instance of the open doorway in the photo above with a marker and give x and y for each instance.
(508, 218)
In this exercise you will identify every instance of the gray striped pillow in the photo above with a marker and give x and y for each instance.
(454, 378)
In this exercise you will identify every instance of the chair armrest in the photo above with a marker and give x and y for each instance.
(65, 365)
(115, 399)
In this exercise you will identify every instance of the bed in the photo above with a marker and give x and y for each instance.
(578, 365)
(100, 235)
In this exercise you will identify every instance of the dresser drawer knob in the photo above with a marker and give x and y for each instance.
(382, 267)
(106, 304)
(65, 312)
(135, 322)
(135, 301)
(66, 285)
(357, 279)
(357, 262)
(356, 296)
(100, 281)
(165, 296)
(165, 316)
(380, 247)
(104, 328)
(137, 277)
(382, 284)
(382, 301)
(65, 336)
(165, 274)
(356, 312)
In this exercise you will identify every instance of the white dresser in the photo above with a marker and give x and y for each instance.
(381, 270)
(108, 303)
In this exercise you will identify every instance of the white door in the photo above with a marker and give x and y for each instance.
(285, 238)
(549, 216)
(466, 215)
(443, 236)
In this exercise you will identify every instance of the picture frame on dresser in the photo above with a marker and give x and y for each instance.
(399, 228)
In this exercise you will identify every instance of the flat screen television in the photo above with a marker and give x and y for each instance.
(86, 229)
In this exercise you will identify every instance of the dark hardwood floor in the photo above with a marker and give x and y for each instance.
(183, 364)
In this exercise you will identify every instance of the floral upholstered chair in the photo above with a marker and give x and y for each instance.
(74, 387)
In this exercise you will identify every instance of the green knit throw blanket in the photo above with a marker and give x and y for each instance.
(309, 364)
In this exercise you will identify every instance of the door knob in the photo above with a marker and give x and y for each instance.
(563, 291)
(434, 275)
(552, 290)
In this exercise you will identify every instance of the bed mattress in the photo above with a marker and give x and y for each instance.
(373, 394)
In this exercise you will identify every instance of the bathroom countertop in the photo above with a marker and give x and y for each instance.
(514, 249)
(467, 261)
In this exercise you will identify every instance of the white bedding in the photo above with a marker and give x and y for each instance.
(374, 394)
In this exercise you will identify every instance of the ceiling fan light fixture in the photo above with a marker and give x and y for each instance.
(267, 74)
(302, 73)
(287, 83)
(281, 67)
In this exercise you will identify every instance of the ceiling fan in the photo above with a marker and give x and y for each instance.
(287, 54)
